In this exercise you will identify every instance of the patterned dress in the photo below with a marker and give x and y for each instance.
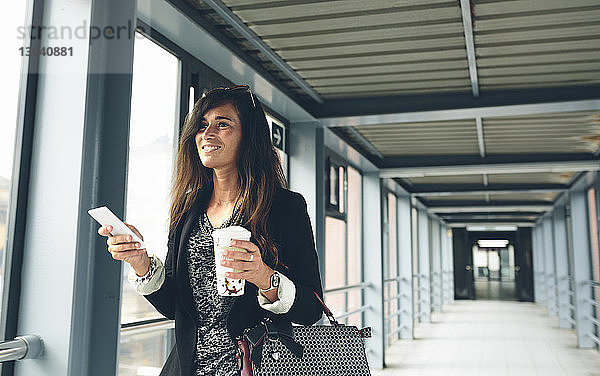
(215, 350)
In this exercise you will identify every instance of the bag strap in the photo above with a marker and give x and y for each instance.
(328, 313)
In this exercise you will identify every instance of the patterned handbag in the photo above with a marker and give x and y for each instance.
(278, 349)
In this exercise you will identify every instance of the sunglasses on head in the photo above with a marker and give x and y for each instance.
(234, 88)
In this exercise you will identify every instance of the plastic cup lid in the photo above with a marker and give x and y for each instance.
(232, 232)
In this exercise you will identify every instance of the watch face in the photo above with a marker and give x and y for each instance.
(275, 280)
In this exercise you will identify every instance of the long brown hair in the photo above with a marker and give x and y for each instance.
(259, 169)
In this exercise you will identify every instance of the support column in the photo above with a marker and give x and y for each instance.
(405, 270)
(436, 266)
(550, 277)
(424, 276)
(539, 276)
(582, 267)
(373, 269)
(307, 176)
(450, 255)
(561, 258)
(447, 276)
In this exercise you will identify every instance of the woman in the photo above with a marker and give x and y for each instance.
(227, 173)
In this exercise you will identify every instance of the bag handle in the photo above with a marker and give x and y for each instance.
(328, 313)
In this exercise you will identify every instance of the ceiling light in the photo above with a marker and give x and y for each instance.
(505, 228)
(492, 243)
(492, 228)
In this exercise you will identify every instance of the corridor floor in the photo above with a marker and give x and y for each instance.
(490, 338)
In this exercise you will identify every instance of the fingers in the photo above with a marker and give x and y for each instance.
(135, 230)
(249, 264)
(240, 265)
(119, 239)
(241, 256)
(105, 230)
(241, 275)
(123, 247)
(247, 245)
(124, 255)
(123, 251)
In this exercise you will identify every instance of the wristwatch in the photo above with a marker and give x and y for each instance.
(274, 283)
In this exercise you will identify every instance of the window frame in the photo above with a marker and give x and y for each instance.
(331, 158)
(333, 210)
(19, 186)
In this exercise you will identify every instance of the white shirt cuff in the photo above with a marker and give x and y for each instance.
(286, 292)
(147, 287)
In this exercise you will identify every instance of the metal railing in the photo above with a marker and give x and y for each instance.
(540, 278)
(25, 347)
(595, 286)
(395, 307)
(359, 286)
(346, 289)
(150, 325)
(551, 294)
(423, 289)
(436, 290)
(566, 293)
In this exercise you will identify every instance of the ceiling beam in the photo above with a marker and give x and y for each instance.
(492, 224)
(465, 8)
(488, 191)
(462, 113)
(239, 25)
(498, 168)
(507, 202)
(489, 208)
(435, 188)
(491, 218)
(427, 102)
(365, 143)
(480, 142)
(475, 215)
(502, 220)
(451, 160)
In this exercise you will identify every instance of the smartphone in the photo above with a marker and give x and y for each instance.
(106, 217)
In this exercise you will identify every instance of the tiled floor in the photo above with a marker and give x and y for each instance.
(491, 338)
(495, 290)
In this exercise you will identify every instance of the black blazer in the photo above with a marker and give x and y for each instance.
(290, 228)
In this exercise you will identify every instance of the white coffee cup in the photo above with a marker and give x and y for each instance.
(222, 241)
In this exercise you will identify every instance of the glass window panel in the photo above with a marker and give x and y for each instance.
(392, 225)
(336, 302)
(354, 220)
(341, 187)
(143, 352)
(343, 242)
(333, 186)
(392, 259)
(335, 253)
(151, 153)
(415, 261)
(191, 101)
(355, 319)
(11, 18)
(354, 299)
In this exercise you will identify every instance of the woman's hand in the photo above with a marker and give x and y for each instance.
(252, 267)
(121, 247)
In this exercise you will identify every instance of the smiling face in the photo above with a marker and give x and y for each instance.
(219, 137)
